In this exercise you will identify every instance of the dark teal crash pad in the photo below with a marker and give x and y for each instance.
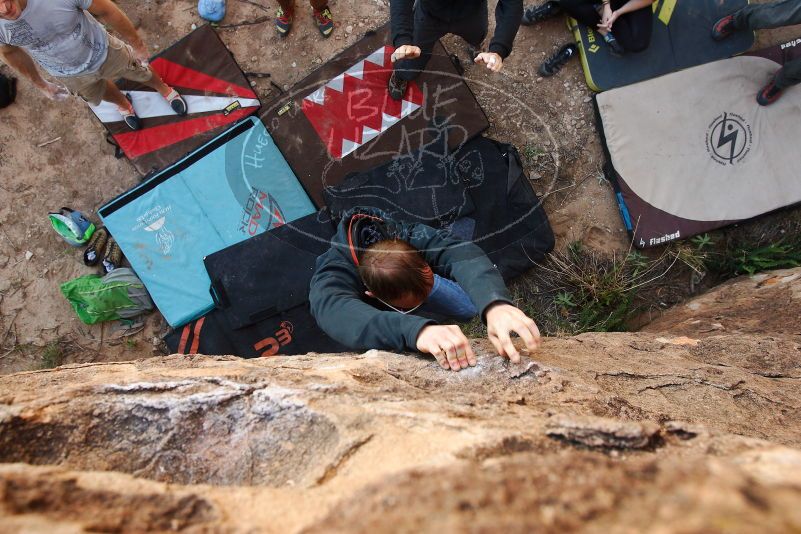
(681, 39)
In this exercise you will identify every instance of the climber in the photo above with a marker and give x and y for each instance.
(382, 280)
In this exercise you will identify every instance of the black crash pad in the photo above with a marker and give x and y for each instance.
(681, 39)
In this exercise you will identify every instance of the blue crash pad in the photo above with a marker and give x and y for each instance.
(236, 186)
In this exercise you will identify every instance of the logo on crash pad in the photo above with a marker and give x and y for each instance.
(728, 138)
(594, 48)
(154, 220)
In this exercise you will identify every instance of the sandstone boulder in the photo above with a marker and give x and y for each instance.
(766, 303)
(612, 432)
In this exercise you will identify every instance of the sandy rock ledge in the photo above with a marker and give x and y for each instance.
(601, 432)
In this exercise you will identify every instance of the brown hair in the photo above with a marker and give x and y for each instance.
(392, 269)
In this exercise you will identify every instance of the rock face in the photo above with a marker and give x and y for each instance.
(761, 304)
(601, 432)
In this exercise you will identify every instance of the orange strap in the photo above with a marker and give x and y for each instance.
(184, 337)
(196, 340)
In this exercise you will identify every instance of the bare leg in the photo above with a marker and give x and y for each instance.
(158, 84)
(288, 6)
(115, 96)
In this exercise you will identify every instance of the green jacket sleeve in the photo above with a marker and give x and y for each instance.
(338, 309)
(461, 261)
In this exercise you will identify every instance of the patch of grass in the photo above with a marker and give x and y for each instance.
(581, 290)
(740, 259)
(474, 329)
(52, 355)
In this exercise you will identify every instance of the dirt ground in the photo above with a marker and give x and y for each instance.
(54, 155)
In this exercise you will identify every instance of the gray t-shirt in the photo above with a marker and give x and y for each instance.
(60, 35)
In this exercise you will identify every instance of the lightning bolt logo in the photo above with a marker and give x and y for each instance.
(728, 139)
(728, 136)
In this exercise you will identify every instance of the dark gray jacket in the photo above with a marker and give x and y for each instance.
(342, 310)
(508, 14)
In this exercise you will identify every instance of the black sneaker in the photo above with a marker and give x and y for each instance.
(723, 28)
(769, 94)
(397, 87)
(131, 119)
(553, 64)
(614, 46)
(539, 13)
(177, 103)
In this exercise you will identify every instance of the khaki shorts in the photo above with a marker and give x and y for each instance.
(120, 63)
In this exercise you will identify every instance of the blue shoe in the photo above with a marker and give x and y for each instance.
(211, 10)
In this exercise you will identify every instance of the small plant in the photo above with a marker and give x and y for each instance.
(638, 261)
(52, 356)
(774, 256)
(575, 249)
(690, 256)
(702, 241)
(564, 299)
(532, 152)
(131, 344)
(737, 258)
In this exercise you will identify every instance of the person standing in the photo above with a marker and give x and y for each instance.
(761, 17)
(66, 40)
(416, 28)
(320, 11)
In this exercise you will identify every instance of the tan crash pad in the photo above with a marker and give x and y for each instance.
(693, 150)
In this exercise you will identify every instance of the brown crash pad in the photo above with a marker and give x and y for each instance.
(340, 119)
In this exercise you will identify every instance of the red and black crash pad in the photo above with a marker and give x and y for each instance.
(289, 332)
(261, 290)
(693, 151)
(340, 119)
(202, 69)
